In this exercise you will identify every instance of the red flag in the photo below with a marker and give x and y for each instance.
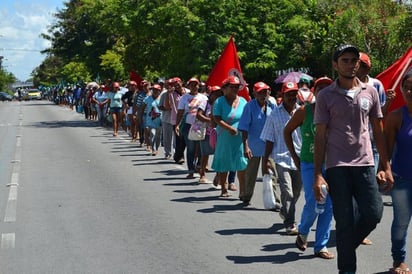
(228, 64)
(135, 77)
(392, 76)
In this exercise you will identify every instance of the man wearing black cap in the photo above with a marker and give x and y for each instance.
(342, 114)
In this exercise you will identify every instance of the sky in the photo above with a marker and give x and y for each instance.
(20, 27)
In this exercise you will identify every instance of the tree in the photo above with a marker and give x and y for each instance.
(6, 78)
(176, 37)
(74, 72)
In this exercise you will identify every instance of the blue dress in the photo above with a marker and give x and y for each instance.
(152, 112)
(229, 148)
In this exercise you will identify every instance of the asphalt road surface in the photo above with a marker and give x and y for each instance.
(75, 199)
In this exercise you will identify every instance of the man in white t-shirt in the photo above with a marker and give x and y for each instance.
(385, 99)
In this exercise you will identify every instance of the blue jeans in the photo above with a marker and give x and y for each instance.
(231, 177)
(402, 211)
(346, 185)
(309, 215)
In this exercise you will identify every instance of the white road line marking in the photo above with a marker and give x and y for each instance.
(14, 179)
(10, 215)
(18, 141)
(13, 193)
(8, 240)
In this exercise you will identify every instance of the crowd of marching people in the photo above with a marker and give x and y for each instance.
(323, 136)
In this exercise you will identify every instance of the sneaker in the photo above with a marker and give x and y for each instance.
(292, 230)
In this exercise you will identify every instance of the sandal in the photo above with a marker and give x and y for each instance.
(190, 176)
(366, 241)
(401, 268)
(325, 255)
(203, 180)
(300, 243)
(225, 194)
(232, 187)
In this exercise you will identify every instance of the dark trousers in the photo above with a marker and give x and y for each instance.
(179, 148)
(357, 208)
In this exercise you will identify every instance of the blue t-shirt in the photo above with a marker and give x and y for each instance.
(252, 121)
(115, 99)
(153, 115)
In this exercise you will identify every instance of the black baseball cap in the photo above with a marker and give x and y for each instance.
(345, 48)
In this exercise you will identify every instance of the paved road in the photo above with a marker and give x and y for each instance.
(74, 199)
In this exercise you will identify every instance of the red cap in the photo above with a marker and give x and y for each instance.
(231, 80)
(214, 88)
(289, 86)
(193, 79)
(157, 86)
(177, 79)
(116, 85)
(321, 81)
(364, 58)
(259, 86)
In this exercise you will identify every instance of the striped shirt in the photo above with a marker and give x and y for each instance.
(273, 132)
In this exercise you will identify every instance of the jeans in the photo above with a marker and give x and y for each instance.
(101, 114)
(155, 135)
(290, 187)
(402, 211)
(309, 215)
(346, 184)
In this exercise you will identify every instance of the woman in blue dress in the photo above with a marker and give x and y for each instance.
(153, 119)
(229, 155)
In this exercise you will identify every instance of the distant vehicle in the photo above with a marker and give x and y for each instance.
(4, 96)
(24, 96)
(34, 94)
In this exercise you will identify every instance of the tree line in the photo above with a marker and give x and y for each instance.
(101, 39)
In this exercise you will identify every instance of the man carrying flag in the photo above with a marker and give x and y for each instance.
(392, 76)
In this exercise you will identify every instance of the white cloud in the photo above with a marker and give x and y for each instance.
(20, 41)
